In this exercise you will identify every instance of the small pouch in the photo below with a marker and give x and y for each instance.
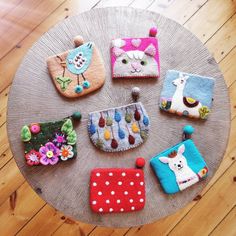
(179, 167)
(117, 189)
(78, 71)
(187, 94)
(135, 57)
(51, 142)
(119, 129)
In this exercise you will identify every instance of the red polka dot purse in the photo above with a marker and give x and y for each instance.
(117, 189)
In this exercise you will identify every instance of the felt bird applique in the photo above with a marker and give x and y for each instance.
(78, 60)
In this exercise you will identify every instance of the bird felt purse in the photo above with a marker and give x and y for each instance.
(119, 128)
(187, 94)
(78, 71)
(51, 142)
(135, 57)
(114, 190)
(179, 167)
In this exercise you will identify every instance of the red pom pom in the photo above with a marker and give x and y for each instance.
(140, 162)
(153, 32)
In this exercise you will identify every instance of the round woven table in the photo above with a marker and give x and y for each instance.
(33, 98)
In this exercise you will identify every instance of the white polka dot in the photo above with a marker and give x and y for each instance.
(100, 193)
(98, 174)
(131, 183)
(111, 210)
(94, 184)
(141, 183)
(107, 201)
(112, 192)
(94, 202)
(118, 200)
(100, 210)
(121, 209)
(139, 192)
(107, 183)
(132, 208)
(137, 174)
(110, 174)
(141, 200)
(123, 174)
(119, 183)
(131, 200)
(125, 193)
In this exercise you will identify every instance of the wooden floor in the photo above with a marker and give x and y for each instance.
(22, 212)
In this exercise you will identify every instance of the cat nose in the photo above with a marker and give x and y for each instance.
(179, 165)
(135, 65)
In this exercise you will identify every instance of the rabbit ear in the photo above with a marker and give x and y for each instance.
(164, 160)
(118, 51)
(181, 149)
(150, 50)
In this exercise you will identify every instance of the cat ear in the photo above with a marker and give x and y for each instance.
(118, 51)
(150, 50)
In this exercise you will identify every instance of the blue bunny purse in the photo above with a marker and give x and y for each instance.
(180, 166)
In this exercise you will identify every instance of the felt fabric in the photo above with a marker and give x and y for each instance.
(48, 143)
(135, 57)
(120, 128)
(179, 167)
(78, 71)
(117, 190)
(187, 94)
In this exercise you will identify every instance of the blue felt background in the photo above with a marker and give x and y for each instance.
(166, 176)
(198, 87)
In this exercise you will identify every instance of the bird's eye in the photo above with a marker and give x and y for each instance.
(182, 81)
(124, 61)
(180, 161)
(143, 63)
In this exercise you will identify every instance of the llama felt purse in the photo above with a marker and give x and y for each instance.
(187, 94)
(135, 57)
(179, 167)
(51, 142)
(117, 189)
(119, 128)
(78, 71)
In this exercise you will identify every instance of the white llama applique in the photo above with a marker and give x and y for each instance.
(184, 175)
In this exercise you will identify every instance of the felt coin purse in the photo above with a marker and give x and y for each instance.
(135, 57)
(78, 71)
(48, 143)
(187, 94)
(117, 190)
(119, 128)
(179, 167)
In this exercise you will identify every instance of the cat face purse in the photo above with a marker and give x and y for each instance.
(180, 166)
(135, 57)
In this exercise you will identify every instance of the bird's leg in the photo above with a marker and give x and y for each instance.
(78, 79)
(83, 77)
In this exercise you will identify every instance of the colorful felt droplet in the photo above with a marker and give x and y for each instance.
(137, 115)
(101, 122)
(114, 144)
(121, 133)
(145, 121)
(135, 128)
(107, 134)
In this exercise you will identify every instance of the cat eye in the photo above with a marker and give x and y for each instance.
(124, 61)
(143, 63)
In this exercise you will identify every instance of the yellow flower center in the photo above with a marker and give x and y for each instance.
(49, 154)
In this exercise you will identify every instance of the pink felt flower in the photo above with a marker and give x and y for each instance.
(49, 154)
(59, 139)
(33, 158)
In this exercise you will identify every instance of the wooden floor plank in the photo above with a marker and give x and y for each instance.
(46, 221)
(210, 18)
(143, 4)
(10, 180)
(180, 11)
(232, 93)
(27, 204)
(228, 68)
(224, 40)
(5, 157)
(227, 225)
(29, 13)
(4, 144)
(3, 105)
